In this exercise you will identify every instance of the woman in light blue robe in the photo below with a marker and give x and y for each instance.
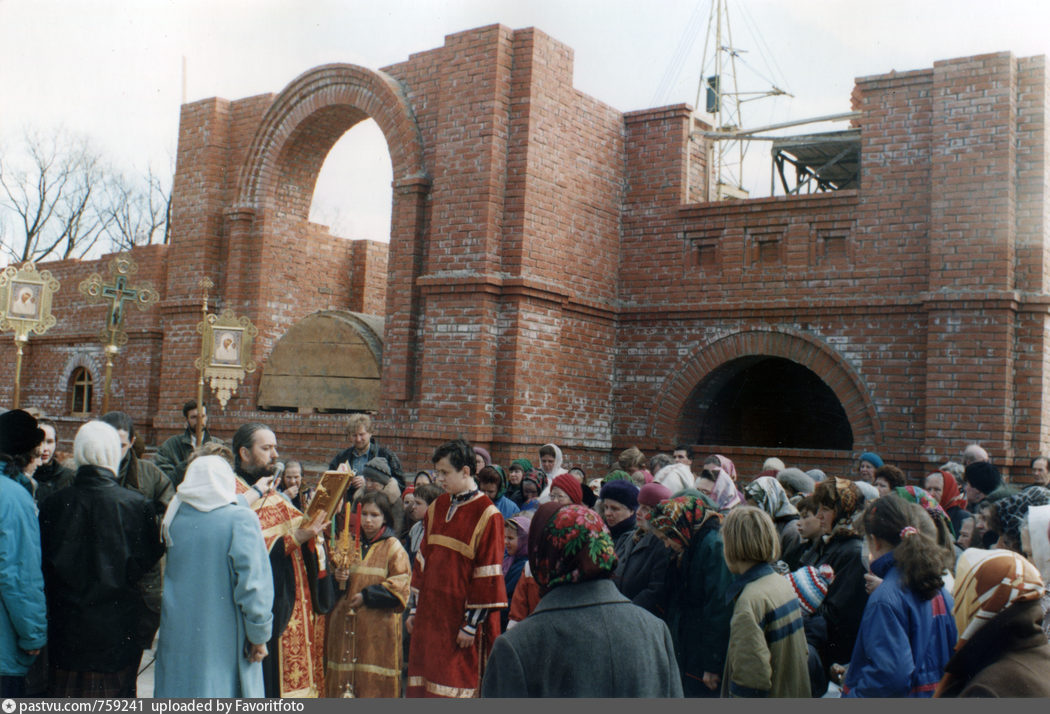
(216, 612)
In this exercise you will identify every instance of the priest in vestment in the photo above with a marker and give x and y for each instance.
(457, 583)
(302, 589)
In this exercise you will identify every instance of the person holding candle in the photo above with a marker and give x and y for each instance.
(364, 629)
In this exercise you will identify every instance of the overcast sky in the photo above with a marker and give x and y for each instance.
(112, 69)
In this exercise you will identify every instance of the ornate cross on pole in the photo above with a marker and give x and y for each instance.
(205, 284)
(117, 293)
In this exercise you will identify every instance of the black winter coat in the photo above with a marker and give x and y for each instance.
(641, 574)
(51, 478)
(844, 604)
(97, 541)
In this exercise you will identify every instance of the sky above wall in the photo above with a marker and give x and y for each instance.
(112, 70)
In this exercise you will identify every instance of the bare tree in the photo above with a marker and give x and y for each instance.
(51, 196)
(139, 210)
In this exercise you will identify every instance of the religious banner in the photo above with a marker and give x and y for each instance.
(25, 306)
(226, 352)
(117, 292)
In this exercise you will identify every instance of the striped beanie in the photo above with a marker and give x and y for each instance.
(811, 585)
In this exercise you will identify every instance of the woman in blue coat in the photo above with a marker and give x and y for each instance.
(216, 616)
(907, 632)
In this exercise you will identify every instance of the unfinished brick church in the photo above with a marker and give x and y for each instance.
(555, 272)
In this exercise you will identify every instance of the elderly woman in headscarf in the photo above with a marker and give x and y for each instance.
(832, 630)
(719, 487)
(619, 506)
(1001, 651)
(698, 611)
(675, 477)
(943, 524)
(765, 492)
(1012, 511)
(1035, 545)
(944, 487)
(642, 571)
(216, 614)
(582, 632)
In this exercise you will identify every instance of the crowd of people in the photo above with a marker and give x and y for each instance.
(663, 577)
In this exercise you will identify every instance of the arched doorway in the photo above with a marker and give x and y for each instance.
(766, 401)
(703, 379)
(275, 194)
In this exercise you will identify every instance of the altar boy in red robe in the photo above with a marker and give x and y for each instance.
(457, 583)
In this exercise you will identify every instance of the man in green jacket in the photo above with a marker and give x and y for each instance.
(174, 453)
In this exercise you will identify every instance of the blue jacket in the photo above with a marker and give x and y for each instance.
(904, 642)
(23, 609)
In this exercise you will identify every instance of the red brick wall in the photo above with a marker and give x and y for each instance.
(554, 273)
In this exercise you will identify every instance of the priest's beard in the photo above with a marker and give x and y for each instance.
(251, 474)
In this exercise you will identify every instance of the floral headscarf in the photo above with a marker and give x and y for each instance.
(986, 583)
(842, 496)
(680, 517)
(952, 495)
(569, 544)
(921, 496)
(1013, 509)
(770, 496)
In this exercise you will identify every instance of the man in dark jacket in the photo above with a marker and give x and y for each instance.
(174, 454)
(97, 541)
(364, 449)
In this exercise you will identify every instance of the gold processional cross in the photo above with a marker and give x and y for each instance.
(117, 292)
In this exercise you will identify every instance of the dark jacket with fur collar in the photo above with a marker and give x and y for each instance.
(1008, 657)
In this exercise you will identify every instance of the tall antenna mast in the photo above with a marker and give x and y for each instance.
(719, 89)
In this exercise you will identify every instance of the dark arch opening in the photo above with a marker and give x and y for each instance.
(766, 401)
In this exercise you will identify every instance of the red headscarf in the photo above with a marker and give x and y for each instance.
(951, 495)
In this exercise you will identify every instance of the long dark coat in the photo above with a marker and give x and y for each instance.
(641, 573)
(584, 640)
(97, 540)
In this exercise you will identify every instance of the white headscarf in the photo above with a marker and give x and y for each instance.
(675, 478)
(545, 496)
(1039, 537)
(209, 484)
(97, 444)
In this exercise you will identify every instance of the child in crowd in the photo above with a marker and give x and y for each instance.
(530, 493)
(363, 647)
(808, 525)
(767, 644)
(515, 556)
(907, 632)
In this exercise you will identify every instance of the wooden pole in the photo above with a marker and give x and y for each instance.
(19, 343)
(204, 284)
(111, 351)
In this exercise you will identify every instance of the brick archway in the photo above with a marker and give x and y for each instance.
(798, 347)
(308, 117)
(277, 180)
